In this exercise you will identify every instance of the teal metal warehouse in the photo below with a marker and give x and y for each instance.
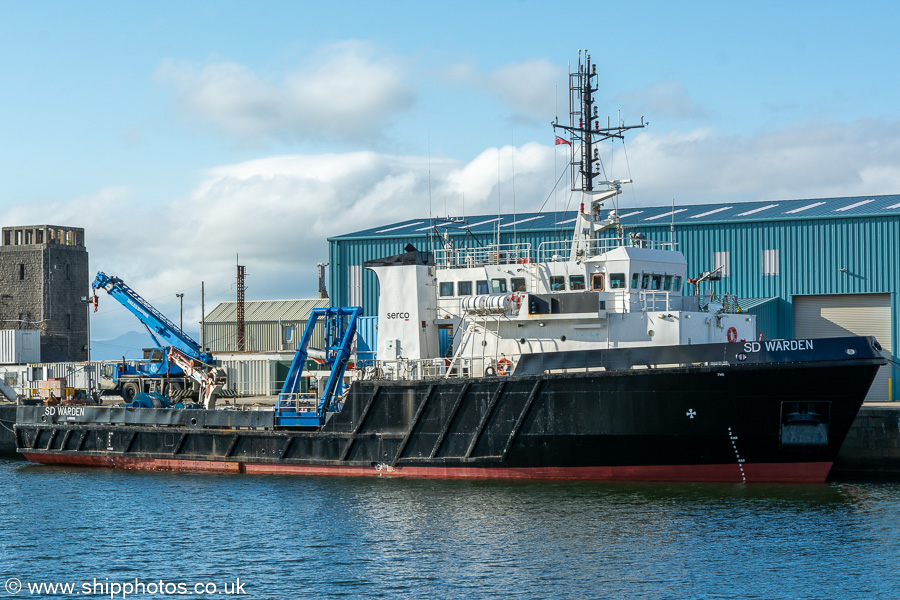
(806, 268)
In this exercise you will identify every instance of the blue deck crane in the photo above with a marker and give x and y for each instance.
(296, 409)
(180, 361)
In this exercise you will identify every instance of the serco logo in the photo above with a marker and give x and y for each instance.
(398, 315)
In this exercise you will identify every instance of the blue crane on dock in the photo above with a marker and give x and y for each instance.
(172, 367)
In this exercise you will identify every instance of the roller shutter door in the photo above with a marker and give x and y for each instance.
(848, 314)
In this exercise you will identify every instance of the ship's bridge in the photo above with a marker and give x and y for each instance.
(637, 269)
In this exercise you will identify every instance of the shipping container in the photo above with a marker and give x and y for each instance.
(19, 346)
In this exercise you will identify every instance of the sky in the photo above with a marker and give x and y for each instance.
(186, 137)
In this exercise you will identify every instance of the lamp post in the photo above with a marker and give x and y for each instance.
(181, 311)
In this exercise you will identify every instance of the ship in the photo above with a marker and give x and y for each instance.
(592, 358)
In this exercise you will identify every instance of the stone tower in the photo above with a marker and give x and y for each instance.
(44, 281)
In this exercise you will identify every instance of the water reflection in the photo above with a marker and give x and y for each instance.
(358, 537)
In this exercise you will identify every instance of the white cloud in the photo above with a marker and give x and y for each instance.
(343, 92)
(663, 99)
(806, 161)
(527, 87)
(275, 215)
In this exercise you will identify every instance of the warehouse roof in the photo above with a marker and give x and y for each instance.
(266, 310)
(774, 210)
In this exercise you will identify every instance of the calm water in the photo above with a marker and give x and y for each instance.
(324, 537)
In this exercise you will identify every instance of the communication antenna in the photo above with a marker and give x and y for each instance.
(512, 156)
(499, 209)
(672, 226)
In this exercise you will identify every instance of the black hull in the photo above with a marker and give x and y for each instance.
(766, 422)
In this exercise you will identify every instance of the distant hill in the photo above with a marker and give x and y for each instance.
(129, 345)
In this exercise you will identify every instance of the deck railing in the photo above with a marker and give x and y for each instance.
(436, 368)
(492, 254)
(562, 250)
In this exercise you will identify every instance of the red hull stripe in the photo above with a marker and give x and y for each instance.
(757, 472)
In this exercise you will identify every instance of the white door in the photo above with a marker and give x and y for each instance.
(848, 314)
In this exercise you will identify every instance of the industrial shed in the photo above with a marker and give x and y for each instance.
(807, 268)
(269, 325)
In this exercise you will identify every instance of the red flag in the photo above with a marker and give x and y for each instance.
(560, 140)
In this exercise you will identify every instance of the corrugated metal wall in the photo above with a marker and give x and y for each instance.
(261, 337)
(250, 377)
(766, 311)
(843, 255)
(816, 256)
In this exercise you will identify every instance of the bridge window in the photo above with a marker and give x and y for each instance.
(576, 282)
(464, 288)
(597, 282)
(498, 286)
(645, 281)
(667, 283)
(518, 284)
(446, 288)
(676, 283)
(635, 277)
(557, 283)
(657, 282)
(482, 287)
(616, 281)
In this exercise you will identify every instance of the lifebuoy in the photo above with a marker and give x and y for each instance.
(732, 334)
(503, 366)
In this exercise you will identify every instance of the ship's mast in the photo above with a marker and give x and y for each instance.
(584, 127)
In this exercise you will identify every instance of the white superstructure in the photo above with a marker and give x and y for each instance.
(503, 301)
